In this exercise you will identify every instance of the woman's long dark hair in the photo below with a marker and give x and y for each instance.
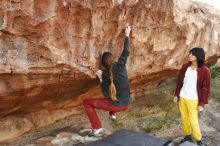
(199, 53)
(107, 62)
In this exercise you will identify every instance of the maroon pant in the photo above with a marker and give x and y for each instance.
(100, 103)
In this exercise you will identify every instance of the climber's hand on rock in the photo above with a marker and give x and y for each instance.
(127, 30)
(99, 74)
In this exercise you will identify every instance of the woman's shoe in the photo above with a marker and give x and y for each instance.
(187, 138)
(96, 132)
(200, 143)
(112, 117)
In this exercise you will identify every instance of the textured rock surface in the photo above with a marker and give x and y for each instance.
(50, 48)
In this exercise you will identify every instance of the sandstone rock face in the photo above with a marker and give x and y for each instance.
(49, 49)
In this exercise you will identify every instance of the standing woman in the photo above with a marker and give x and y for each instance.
(192, 92)
(115, 87)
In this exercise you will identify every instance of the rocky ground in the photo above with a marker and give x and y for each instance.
(50, 50)
(72, 130)
(154, 113)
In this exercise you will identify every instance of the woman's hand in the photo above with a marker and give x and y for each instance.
(200, 108)
(99, 74)
(127, 30)
(175, 99)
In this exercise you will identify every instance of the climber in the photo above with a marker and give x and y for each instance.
(192, 92)
(115, 88)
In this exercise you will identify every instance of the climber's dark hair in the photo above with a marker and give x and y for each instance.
(107, 62)
(199, 53)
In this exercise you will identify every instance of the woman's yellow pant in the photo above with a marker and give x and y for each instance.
(189, 115)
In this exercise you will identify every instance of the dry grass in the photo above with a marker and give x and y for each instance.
(150, 113)
(215, 83)
(157, 111)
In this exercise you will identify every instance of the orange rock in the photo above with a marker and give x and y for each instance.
(49, 49)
